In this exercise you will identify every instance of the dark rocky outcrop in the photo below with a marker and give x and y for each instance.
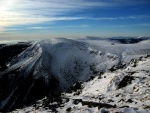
(7, 52)
(125, 81)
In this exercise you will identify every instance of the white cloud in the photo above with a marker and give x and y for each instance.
(36, 27)
(129, 25)
(135, 17)
(118, 18)
(10, 21)
(23, 12)
(23, 20)
(67, 26)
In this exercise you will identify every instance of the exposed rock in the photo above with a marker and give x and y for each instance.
(125, 81)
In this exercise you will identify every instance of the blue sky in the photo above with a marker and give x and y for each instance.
(31, 19)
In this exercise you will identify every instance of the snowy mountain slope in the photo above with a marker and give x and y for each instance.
(125, 90)
(114, 89)
(50, 67)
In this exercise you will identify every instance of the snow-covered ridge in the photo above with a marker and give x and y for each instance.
(64, 61)
(124, 90)
(61, 57)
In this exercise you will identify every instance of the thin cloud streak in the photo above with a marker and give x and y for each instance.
(21, 12)
(73, 26)
(120, 18)
(33, 20)
(131, 25)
